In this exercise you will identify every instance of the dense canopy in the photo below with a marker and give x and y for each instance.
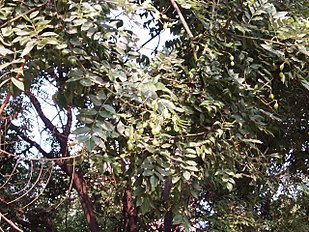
(208, 133)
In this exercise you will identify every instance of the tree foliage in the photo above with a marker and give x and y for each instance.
(211, 133)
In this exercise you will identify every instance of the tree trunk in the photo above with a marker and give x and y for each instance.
(80, 185)
(129, 211)
(79, 182)
(168, 218)
(168, 221)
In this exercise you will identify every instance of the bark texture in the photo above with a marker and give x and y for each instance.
(129, 211)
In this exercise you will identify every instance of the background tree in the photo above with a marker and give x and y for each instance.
(211, 133)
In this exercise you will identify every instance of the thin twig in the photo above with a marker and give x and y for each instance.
(70, 186)
(28, 182)
(10, 222)
(158, 33)
(10, 175)
(41, 159)
(5, 102)
(46, 183)
(28, 191)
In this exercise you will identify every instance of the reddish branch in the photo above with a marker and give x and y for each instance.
(6, 100)
(80, 185)
(37, 105)
(79, 182)
(61, 137)
(185, 25)
(130, 212)
(10, 223)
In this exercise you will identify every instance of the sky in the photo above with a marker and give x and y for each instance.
(135, 24)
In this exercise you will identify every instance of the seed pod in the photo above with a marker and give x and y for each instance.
(153, 117)
(282, 77)
(145, 124)
(271, 96)
(156, 130)
(165, 113)
(130, 146)
(154, 104)
(155, 142)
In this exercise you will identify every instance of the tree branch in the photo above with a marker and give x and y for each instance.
(185, 25)
(10, 222)
(37, 105)
(61, 137)
(6, 100)
(158, 33)
(68, 126)
(36, 145)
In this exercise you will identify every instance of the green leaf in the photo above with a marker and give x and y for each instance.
(175, 179)
(86, 119)
(49, 34)
(75, 75)
(305, 83)
(229, 186)
(3, 82)
(121, 75)
(95, 100)
(149, 90)
(272, 50)
(101, 95)
(81, 130)
(105, 114)
(4, 51)
(18, 83)
(3, 66)
(29, 46)
(86, 82)
(194, 194)
(95, 79)
(105, 125)
(153, 181)
(82, 138)
(109, 108)
(252, 141)
(168, 104)
(184, 4)
(34, 14)
(186, 175)
(191, 162)
(90, 143)
(146, 206)
(192, 168)
(178, 219)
